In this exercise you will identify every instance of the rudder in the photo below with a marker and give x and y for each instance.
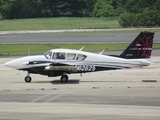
(141, 47)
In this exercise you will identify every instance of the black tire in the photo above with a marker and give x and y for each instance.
(28, 79)
(64, 78)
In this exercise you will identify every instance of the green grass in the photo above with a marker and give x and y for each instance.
(22, 49)
(68, 23)
(57, 23)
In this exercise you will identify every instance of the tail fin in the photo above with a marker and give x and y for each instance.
(141, 47)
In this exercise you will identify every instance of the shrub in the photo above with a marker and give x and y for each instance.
(147, 18)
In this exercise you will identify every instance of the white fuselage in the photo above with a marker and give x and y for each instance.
(91, 59)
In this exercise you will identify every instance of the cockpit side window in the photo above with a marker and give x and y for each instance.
(81, 57)
(71, 56)
(48, 55)
(59, 55)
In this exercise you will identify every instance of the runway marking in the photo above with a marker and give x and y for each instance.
(58, 96)
(41, 97)
(52, 96)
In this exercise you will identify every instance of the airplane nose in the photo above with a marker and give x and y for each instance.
(11, 64)
(8, 64)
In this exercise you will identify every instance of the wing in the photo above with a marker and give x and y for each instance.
(48, 67)
(61, 67)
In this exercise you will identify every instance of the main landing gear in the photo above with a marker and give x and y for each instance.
(64, 78)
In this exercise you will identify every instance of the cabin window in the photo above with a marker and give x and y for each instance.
(81, 57)
(59, 55)
(71, 56)
(48, 54)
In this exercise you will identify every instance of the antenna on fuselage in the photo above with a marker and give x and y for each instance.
(103, 51)
(81, 48)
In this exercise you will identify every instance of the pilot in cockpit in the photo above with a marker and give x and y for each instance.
(58, 56)
(62, 56)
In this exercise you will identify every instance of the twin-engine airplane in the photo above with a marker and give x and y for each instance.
(60, 62)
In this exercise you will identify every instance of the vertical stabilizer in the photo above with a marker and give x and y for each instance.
(141, 47)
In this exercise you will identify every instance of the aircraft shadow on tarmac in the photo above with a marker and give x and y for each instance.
(72, 81)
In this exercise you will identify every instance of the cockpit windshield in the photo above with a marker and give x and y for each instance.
(48, 54)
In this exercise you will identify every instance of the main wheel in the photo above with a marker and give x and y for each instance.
(28, 79)
(64, 78)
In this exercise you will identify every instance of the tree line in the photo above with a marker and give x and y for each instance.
(130, 12)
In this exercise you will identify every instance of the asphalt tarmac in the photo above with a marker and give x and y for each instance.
(70, 38)
(128, 94)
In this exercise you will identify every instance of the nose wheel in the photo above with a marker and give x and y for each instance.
(64, 78)
(28, 79)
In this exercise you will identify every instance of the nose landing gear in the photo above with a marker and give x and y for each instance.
(28, 79)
